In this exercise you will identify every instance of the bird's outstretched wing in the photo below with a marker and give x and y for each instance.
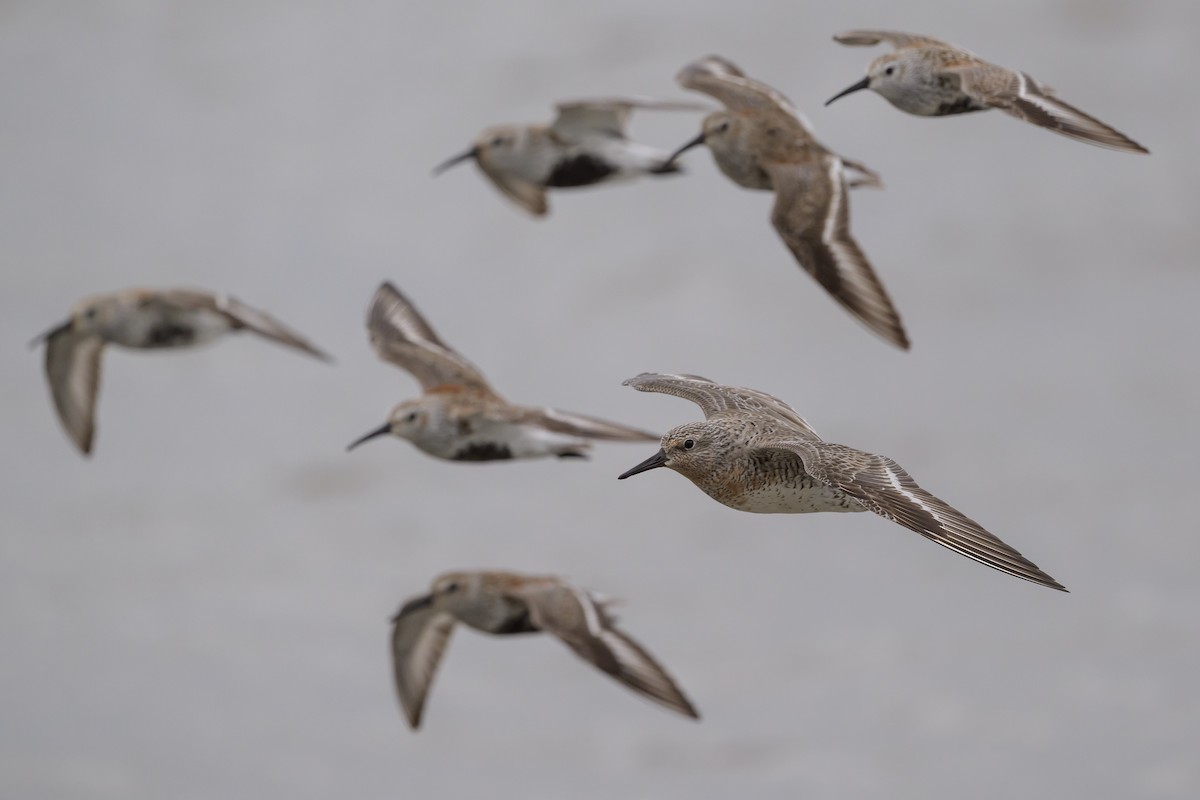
(1021, 96)
(419, 638)
(609, 115)
(897, 39)
(582, 624)
(73, 372)
(883, 486)
(401, 335)
(262, 323)
(812, 216)
(714, 398)
(721, 79)
(529, 196)
(588, 427)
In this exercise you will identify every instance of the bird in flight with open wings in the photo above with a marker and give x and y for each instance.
(507, 603)
(459, 416)
(932, 78)
(754, 453)
(760, 141)
(586, 144)
(142, 319)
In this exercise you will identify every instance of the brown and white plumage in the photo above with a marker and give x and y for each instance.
(586, 144)
(145, 319)
(460, 416)
(761, 142)
(929, 77)
(754, 453)
(505, 603)
(812, 216)
(401, 336)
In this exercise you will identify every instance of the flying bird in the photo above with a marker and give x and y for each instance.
(459, 416)
(754, 453)
(505, 603)
(143, 319)
(932, 78)
(586, 144)
(760, 141)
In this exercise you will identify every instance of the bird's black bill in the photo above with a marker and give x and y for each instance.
(382, 430)
(863, 84)
(456, 160)
(699, 140)
(57, 329)
(659, 459)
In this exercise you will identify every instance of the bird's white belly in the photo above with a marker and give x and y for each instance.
(481, 439)
(628, 158)
(156, 327)
(804, 499)
(530, 441)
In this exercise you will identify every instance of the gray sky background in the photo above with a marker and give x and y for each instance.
(200, 610)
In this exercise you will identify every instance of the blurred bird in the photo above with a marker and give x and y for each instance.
(460, 417)
(585, 145)
(760, 141)
(145, 319)
(754, 453)
(932, 78)
(506, 603)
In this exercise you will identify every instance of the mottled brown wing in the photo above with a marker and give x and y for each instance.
(897, 39)
(401, 336)
(608, 114)
(262, 323)
(73, 372)
(714, 398)
(581, 623)
(883, 486)
(722, 80)
(812, 216)
(419, 638)
(1020, 96)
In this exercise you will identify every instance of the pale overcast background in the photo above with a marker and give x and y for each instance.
(200, 610)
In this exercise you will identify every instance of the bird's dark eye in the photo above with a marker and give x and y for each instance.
(889, 70)
(412, 417)
(90, 313)
(688, 444)
(499, 140)
(724, 126)
(451, 587)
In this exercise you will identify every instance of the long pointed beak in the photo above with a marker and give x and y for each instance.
(694, 142)
(57, 329)
(655, 461)
(382, 430)
(458, 159)
(865, 83)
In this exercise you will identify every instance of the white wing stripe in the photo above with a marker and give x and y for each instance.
(589, 612)
(894, 480)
